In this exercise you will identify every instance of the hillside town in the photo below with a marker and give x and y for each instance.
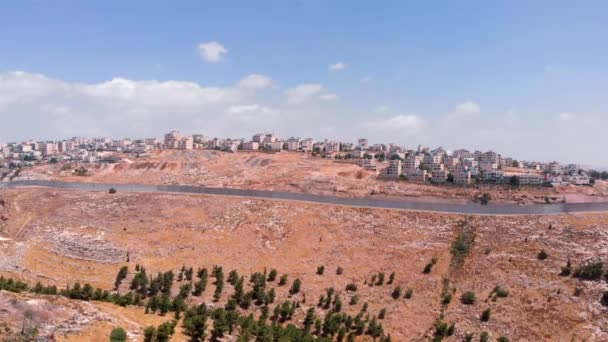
(389, 161)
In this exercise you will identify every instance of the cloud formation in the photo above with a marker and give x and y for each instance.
(211, 52)
(468, 107)
(567, 116)
(255, 81)
(337, 66)
(308, 92)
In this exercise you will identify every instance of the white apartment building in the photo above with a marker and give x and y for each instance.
(363, 144)
(307, 145)
(275, 145)
(577, 179)
(293, 145)
(462, 177)
(392, 171)
(416, 175)
(251, 146)
(486, 166)
(412, 162)
(530, 179)
(439, 175)
(186, 143)
(555, 168)
(367, 164)
(172, 139)
(48, 148)
(332, 147)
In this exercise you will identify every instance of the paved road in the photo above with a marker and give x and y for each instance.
(473, 209)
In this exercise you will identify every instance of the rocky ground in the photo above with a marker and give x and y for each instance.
(71, 236)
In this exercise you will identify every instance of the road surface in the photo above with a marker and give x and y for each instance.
(364, 202)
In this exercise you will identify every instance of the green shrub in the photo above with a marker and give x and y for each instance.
(500, 292)
(484, 336)
(592, 271)
(542, 255)
(112, 191)
(485, 315)
(468, 298)
(397, 292)
(320, 270)
(604, 299)
(408, 294)
(428, 268)
(351, 287)
(502, 339)
(118, 335)
(339, 270)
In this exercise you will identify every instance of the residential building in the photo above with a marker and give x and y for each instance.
(332, 147)
(416, 175)
(439, 175)
(392, 171)
(251, 146)
(462, 177)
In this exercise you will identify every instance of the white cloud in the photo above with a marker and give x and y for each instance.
(337, 66)
(252, 113)
(567, 116)
(381, 109)
(468, 107)
(307, 92)
(405, 123)
(212, 52)
(328, 97)
(255, 81)
(366, 79)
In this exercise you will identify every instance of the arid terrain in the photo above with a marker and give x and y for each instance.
(290, 172)
(60, 237)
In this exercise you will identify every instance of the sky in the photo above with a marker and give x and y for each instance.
(528, 79)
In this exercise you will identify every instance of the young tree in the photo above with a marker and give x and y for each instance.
(295, 287)
(122, 274)
(468, 298)
(272, 275)
(118, 334)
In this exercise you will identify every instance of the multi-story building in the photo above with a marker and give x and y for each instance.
(293, 144)
(332, 147)
(416, 175)
(307, 145)
(494, 176)
(367, 163)
(555, 168)
(362, 144)
(529, 179)
(462, 177)
(251, 146)
(172, 139)
(186, 143)
(393, 170)
(413, 161)
(439, 175)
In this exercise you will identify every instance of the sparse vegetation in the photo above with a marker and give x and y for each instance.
(542, 255)
(485, 315)
(591, 271)
(112, 191)
(397, 292)
(468, 298)
(118, 335)
(408, 294)
(320, 270)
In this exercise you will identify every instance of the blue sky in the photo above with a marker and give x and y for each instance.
(527, 78)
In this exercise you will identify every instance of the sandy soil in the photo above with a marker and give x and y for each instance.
(78, 236)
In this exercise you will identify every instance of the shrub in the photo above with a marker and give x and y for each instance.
(354, 300)
(320, 270)
(339, 270)
(502, 339)
(391, 278)
(566, 270)
(446, 298)
(272, 275)
(382, 313)
(295, 287)
(428, 268)
(485, 199)
(604, 299)
(408, 294)
(500, 292)
(484, 336)
(118, 335)
(283, 280)
(112, 191)
(468, 298)
(542, 255)
(397, 292)
(351, 287)
(592, 271)
(485, 315)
